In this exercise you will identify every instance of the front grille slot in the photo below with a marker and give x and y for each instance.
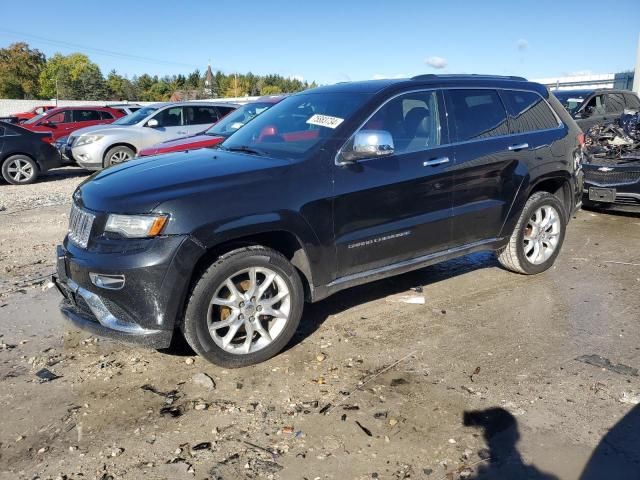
(616, 177)
(80, 223)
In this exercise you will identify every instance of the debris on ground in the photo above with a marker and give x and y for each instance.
(204, 380)
(602, 362)
(46, 375)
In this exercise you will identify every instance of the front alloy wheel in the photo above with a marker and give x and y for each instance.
(244, 308)
(249, 310)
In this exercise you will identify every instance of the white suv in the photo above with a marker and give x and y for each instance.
(98, 147)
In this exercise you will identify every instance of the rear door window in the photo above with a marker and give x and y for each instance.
(106, 115)
(476, 114)
(86, 115)
(632, 101)
(528, 112)
(200, 115)
(614, 103)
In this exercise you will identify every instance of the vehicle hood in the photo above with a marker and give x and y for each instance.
(140, 185)
(186, 143)
(96, 129)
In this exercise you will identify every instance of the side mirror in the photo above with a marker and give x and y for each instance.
(153, 123)
(369, 144)
(48, 124)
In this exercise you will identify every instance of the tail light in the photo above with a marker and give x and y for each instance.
(580, 140)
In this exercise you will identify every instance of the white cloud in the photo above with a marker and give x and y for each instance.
(436, 62)
(522, 44)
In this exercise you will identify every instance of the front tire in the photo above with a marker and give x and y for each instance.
(117, 155)
(245, 308)
(537, 239)
(19, 170)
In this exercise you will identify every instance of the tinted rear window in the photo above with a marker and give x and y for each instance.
(476, 114)
(528, 112)
(632, 101)
(614, 103)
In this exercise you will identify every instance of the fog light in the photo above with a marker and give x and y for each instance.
(110, 282)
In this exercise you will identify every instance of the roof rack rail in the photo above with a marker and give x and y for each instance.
(430, 76)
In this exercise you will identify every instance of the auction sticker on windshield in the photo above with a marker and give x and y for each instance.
(325, 121)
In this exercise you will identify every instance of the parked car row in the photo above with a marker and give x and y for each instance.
(99, 137)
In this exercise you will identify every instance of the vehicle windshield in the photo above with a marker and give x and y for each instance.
(294, 126)
(135, 117)
(35, 119)
(238, 118)
(570, 101)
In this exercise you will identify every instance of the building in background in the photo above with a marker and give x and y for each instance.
(621, 81)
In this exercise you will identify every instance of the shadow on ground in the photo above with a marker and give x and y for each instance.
(617, 456)
(315, 314)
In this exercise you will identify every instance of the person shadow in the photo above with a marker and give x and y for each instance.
(616, 457)
(500, 431)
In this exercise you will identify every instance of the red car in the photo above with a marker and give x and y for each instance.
(35, 111)
(61, 122)
(218, 132)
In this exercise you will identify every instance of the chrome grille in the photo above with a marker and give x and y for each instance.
(616, 177)
(80, 223)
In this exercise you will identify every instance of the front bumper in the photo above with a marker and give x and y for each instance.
(88, 156)
(622, 185)
(145, 310)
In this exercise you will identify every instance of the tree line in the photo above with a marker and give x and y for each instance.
(26, 73)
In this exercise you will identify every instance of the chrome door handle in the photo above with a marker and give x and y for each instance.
(518, 146)
(435, 161)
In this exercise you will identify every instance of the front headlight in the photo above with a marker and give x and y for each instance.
(86, 140)
(136, 226)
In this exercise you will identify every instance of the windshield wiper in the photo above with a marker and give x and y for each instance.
(244, 149)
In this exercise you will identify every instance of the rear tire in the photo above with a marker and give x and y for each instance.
(245, 307)
(118, 155)
(19, 170)
(538, 237)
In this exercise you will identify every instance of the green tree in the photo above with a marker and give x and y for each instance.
(72, 77)
(20, 68)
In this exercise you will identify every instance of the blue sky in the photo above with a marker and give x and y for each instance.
(329, 40)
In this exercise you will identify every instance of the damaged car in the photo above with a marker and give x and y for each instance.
(597, 107)
(330, 188)
(612, 165)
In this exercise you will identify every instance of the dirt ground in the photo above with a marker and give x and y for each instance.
(461, 370)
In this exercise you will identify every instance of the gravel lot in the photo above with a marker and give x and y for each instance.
(375, 385)
(33, 220)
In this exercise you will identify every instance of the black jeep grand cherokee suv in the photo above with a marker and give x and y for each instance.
(331, 188)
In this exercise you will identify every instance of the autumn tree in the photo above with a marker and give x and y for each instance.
(72, 77)
(20, 68)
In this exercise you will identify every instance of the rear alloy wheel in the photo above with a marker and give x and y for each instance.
(19, 170)
(536, 241)
(245, 308)
(117, 155)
